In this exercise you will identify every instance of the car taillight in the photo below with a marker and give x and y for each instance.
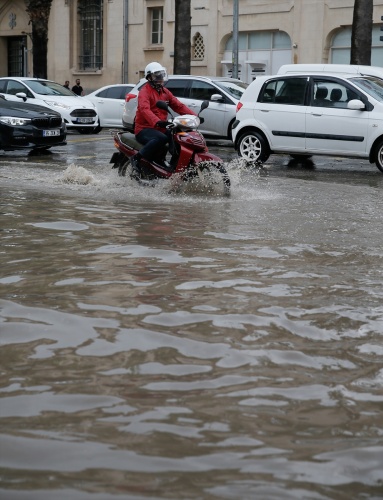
(130, 96)
(239, 106)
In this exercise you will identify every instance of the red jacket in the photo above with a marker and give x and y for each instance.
(147, 114)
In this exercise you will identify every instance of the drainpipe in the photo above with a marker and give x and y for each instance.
(234, 73)
(125, 43)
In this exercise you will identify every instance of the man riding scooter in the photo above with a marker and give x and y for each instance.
(151, 121)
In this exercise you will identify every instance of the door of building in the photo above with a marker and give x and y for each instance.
(17, 61)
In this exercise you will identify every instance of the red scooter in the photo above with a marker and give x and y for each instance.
(190, 159)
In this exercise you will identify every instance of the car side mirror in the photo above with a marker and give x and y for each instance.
(22, 95)
(356, 104)
(216, 98)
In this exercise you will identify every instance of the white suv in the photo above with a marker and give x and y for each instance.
(305, 114)
(78, 113)
(222, 93)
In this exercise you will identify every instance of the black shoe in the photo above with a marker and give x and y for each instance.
(136, 170)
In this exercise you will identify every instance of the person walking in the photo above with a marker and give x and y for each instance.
(150, 123)
(77, 89)
(66, 84)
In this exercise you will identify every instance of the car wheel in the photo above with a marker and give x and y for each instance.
(379, 156)
(252, 146)
(301, 157)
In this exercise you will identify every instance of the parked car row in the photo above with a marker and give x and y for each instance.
(115, 105)
(304, 110)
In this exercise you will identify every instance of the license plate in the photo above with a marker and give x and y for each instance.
(48, 133)
(84, 120)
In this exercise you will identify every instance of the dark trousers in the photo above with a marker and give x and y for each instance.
(154, 144)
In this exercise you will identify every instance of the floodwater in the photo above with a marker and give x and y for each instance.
(189, 346)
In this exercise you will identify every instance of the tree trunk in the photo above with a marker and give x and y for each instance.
(38, 11)
(182, 31)
(361, 36)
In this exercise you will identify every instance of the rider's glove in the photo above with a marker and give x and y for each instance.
(162, 123)
(201, 120)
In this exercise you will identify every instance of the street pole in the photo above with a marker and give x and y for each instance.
(234, 73)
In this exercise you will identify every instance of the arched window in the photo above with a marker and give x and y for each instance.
(341, 47)
(198, 47)
(90, 18)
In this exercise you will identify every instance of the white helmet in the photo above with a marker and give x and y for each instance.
(156, 72)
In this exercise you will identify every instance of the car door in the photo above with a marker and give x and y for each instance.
(330, 126)
(110, 105)
(216, 116)
(280, 111)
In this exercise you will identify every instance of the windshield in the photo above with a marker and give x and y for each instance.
(43, 87)
(235, 89)
(371, 85)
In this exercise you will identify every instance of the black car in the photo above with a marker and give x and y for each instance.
(27, 126)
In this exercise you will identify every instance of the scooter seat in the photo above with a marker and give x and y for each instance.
(130, 140)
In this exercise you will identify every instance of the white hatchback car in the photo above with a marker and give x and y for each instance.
(78, 113)
(109, 102)
(222, 93)
(305, 114)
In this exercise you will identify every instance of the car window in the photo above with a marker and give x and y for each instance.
(285, 91)
(15, 87)
(235, 89)
(102, 93)
(177, 87)
(371, 85)
(116, 92)
(331, 94)
(202, 90)
(3, 86)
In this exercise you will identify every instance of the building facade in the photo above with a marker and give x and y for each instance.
(110, 41)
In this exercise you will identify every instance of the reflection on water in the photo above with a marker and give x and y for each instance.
(190, 347)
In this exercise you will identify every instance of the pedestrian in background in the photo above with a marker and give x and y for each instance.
(77, 89)
(66, 84)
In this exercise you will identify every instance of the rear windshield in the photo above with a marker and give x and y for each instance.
(235, 89)
(371, 85)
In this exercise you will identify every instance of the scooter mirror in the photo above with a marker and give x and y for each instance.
(204, 105)
(162, 105)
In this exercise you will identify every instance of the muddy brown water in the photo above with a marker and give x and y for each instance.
(187, 346)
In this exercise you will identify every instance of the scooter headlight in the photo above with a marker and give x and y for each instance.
(187, 121)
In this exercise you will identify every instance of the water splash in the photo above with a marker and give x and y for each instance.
(77, 175)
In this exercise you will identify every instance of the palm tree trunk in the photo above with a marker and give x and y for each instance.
(182, 31)
(38, 11)
(361, 36)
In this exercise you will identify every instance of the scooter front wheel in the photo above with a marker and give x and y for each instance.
(214, 176)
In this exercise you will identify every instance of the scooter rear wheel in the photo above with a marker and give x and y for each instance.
(123, 167)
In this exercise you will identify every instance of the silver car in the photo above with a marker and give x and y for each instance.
(222, 93)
